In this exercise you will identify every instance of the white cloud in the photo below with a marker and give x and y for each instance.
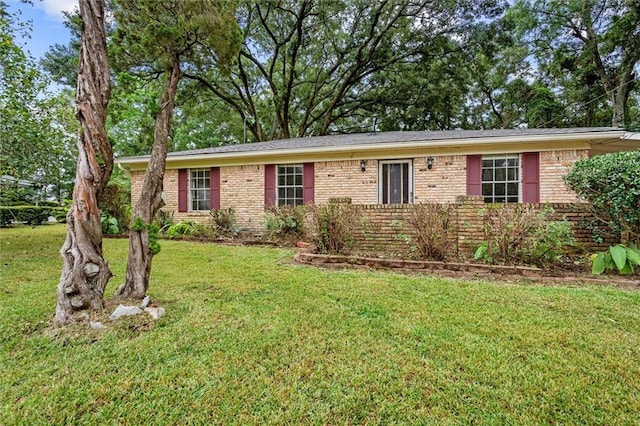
(54, 8)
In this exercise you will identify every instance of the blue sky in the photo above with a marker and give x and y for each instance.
(46, 22)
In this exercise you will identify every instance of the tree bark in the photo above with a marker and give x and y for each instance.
(85, 273)
(620, 97)
(617, 80)
(140, 256)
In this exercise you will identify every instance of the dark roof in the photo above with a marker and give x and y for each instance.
(363, 139)
(384, 137)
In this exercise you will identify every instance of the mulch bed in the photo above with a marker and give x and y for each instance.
(467, 270)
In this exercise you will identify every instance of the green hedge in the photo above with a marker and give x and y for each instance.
(60, 213)
(32, 215)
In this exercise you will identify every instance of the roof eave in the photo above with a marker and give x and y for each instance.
(589, 138)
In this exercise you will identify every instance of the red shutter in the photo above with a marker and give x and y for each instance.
(531, 177)
(214, 187)
(474, 175)
(183, 190)
(269, 186)
(308, 182)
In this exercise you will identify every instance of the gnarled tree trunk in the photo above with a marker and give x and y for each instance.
(85, 273)
(140, 255)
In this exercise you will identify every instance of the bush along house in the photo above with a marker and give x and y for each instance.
(388, 168)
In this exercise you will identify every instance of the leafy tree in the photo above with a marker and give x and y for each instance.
(497, 73)
(611, 183)
(133, 106)
(61, 61)
(426, 94)
(307, 67)
(58, 159)
(314, 67)
(85, 272)
(133, 100)
(203, 120)
(160, 38)
(479, 79)
(573, 76)
(598, 41)
(37, 144)
(20, 83)
(542, 108)
(133, 103)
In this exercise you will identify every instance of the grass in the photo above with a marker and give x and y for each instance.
(250, 338)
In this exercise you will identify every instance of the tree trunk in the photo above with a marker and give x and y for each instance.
(140, 255)
(85, 273)
(619, 98)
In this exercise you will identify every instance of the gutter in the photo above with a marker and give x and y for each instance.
(122, 167)
(634, 136)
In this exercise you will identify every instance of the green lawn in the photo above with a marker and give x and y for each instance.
(250, 338)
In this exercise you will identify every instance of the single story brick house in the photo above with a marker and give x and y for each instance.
(516, 165)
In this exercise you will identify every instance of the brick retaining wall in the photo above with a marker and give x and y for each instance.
(385, 228)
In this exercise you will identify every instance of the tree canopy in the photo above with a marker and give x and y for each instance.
(36, 124)
(314, 67)
(590, 47)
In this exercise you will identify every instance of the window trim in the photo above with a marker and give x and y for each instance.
(299, 166)
(190, 189)
(519, 169)
(410, 186)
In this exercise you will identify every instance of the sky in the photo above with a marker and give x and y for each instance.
(46, 22)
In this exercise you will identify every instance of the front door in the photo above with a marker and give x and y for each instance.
(396, 182)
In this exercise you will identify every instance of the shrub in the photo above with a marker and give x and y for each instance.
(523, 234)
(285, 221)
(430, 225)
(109, 224)
(224, 222)
(611, 183)
(114, 202)
(60, 214)
(332, 227)
(13, 195)
(164, 220)
(620, 258)
(182, 229)
(188, 228)
(205, 230)
(32, 215)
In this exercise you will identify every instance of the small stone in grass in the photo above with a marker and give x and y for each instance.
(122, 310)
(155, 312)
(145, 302)
(96, 325)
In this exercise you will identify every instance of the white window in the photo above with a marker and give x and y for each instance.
(290, 185)
(396, 182)
(501, 178)
(199, 186)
